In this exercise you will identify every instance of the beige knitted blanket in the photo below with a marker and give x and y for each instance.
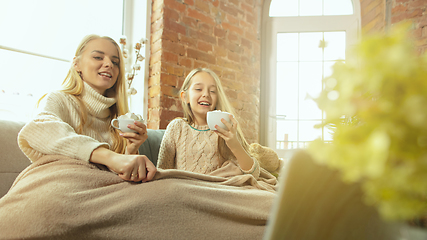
(62, 198)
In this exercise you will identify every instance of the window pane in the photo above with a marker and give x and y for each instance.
(286, 93)
(335, 48)
(287, 47)
(281, 8)
(55, 28)
(337, 7)
(310, 8)
(309, 46)
(307, 132)
(310, 84)
(327, 68)
(22, 89)
(287, 130)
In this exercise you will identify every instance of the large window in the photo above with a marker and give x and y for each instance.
(39, 39)
(301, 42)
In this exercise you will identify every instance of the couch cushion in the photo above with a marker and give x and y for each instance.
(151, 146)
(12, 159)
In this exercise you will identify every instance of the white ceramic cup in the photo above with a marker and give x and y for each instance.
(214, 118)
(122, 124)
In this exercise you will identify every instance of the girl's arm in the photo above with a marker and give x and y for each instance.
(246, 162)
(167, 150)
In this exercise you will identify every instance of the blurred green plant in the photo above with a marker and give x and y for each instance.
(376, 104)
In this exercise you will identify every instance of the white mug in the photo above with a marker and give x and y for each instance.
(214, 118)
(123, 124)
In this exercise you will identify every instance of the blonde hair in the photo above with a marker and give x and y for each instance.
(222, 104)
(73, 85)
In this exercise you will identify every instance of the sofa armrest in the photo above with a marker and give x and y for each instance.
(151, 146)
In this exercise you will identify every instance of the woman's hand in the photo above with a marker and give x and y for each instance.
(133, 168)
(134, 140)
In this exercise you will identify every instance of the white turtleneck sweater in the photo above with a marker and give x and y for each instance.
(53, 131)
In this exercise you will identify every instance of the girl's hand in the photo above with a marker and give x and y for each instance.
(229, 136)
(133, 168)
(134, 140)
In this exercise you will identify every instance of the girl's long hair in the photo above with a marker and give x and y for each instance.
(73, 85)
(222, 104)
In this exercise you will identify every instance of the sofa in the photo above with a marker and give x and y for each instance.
(13, 160)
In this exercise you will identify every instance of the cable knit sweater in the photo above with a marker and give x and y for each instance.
(53, 130)
(194, 149)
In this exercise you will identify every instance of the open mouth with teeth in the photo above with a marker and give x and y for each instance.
(204, 104)
(104, 74)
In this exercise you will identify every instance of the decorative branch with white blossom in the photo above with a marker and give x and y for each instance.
(136, 66)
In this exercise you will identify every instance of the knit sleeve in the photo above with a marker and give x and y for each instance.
(167, 152)
(255, 171)
(50, 134)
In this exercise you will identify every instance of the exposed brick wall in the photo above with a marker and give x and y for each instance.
(374, 17)
(222, 35)
(416, 11)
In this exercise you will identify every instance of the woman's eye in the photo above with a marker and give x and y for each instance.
(98, 58)
(116, 63)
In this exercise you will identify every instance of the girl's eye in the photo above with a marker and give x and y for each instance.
(213, 91)
(198, 89)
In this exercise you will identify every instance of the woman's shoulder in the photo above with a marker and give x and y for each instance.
(58, 96)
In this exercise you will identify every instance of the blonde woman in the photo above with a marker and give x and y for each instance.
(189, 145)
(75, 121)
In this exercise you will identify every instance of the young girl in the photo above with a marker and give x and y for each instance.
(188, 144)
(76, 120)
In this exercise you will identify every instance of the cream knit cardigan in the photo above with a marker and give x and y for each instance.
(195, 149)
(53, 132)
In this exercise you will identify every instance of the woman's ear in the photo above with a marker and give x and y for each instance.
(183, 97)
(76, 65)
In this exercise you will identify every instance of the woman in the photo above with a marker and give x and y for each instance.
(76, 120)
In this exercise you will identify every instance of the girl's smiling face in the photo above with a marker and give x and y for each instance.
(202, 96)
(99, 64)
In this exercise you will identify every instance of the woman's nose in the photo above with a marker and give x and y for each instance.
(107, 62)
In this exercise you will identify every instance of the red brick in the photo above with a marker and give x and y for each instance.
(205, 47)
(202, 6)
(169, 57)
(188, 41)
(191, 53)
(232, 28)
(186, 62)
(200, 16)
(173, 47)
(218, 32)
(189, 2)
(173, 4)
(189, 22)
(171, 14)
(246, 43)
(168, 79)
(173, 26)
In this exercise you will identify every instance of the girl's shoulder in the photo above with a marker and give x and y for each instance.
(177, 122)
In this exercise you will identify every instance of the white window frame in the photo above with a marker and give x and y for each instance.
(273, 25)
(132, 25)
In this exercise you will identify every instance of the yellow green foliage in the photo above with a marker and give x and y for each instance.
(377, 104)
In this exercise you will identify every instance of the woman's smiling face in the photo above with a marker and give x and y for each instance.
(99, 64)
